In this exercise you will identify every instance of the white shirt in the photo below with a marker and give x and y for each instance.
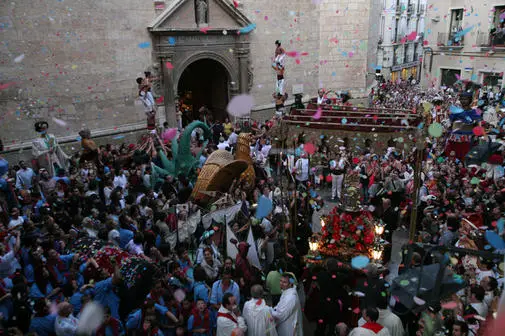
(302, 168)
(391, 321)
(223, 145)
(133, 248)
(66, 326)
(8, 264)
(16, 222)
(481, 308)
(225, 325)
(259, 319)
(120, 181)
(232, 139)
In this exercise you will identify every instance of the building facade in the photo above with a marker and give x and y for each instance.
(465, 42)
(401, 38)
(74, 63)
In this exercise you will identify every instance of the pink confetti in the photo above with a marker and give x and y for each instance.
(292, 53)
(334, 40)
(6, 85)
(204, 29)
(356, 310)
(297, 61)
(235, 4)
(351, 54)
(450, 305)
(266, 18)
(309, 148)
(318, 114)
(412, 36)
(169, 65)
(289, 255)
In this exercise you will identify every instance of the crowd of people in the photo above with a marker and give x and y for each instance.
(52, 212)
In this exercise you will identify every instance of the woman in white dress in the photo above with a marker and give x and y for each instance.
(47, 151)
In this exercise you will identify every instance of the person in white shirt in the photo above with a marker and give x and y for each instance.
(134, 246)
(302, 168)
(8, 262)
(228, 317)
(120, 180)
(371, 327)
(232, 139)
(66, 323)
(337, 169)
(222, 144)
(258, 315)
(24, 177)
(288, 312)
(16, 219)
(476, 300)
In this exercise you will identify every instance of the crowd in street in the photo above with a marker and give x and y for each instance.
(56, 207)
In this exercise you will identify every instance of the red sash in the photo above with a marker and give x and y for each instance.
(228, 316)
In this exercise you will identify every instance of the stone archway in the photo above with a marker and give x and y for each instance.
(205, 82)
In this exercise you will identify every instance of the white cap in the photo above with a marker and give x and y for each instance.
(113, 235)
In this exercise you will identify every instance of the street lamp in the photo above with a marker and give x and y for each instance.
(379, 228)
(377, 253)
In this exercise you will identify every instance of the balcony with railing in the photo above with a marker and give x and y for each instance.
(495, 39)
(450, 41)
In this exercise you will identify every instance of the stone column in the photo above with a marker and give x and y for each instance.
(168, 89)
(243, 62)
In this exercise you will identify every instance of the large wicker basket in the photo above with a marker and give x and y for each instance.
(217, 174)
(244, 153)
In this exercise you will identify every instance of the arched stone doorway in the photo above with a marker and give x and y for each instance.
(204, 82)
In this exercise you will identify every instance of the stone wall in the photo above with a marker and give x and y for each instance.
(74, 62)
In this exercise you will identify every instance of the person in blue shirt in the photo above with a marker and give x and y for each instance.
(136, 319)
(77, 294)
(105, 293)
(200, 322)
(220, 287)
(58, 265)
(200, 290)
(42, 287)
(110, 326)
(125, 232)
(42, 322)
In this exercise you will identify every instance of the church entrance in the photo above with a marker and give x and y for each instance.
(204, 83)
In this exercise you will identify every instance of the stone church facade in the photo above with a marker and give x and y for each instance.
(74, 63)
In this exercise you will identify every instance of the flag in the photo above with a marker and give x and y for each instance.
(252, 254)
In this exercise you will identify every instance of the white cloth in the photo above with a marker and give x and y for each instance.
(212, 271)
(41, 148)
(225, 325)
(66, 326)
(288, 314)
(302, 169)
(259, 318)
(8, 265)
(359, 331)
(16, 222)
(120, 181)
(336, 185)
(481, 308)
(232, 139)
(133, 248)
(391, 321)
(223, 145)
(220, 215)
(279, 86)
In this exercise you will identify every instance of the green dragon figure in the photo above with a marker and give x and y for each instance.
(183, 162)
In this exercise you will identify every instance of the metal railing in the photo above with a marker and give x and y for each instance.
(450, 40)
(493, 39)
(421, 9)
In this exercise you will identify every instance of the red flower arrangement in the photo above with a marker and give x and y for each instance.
(347, 234)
